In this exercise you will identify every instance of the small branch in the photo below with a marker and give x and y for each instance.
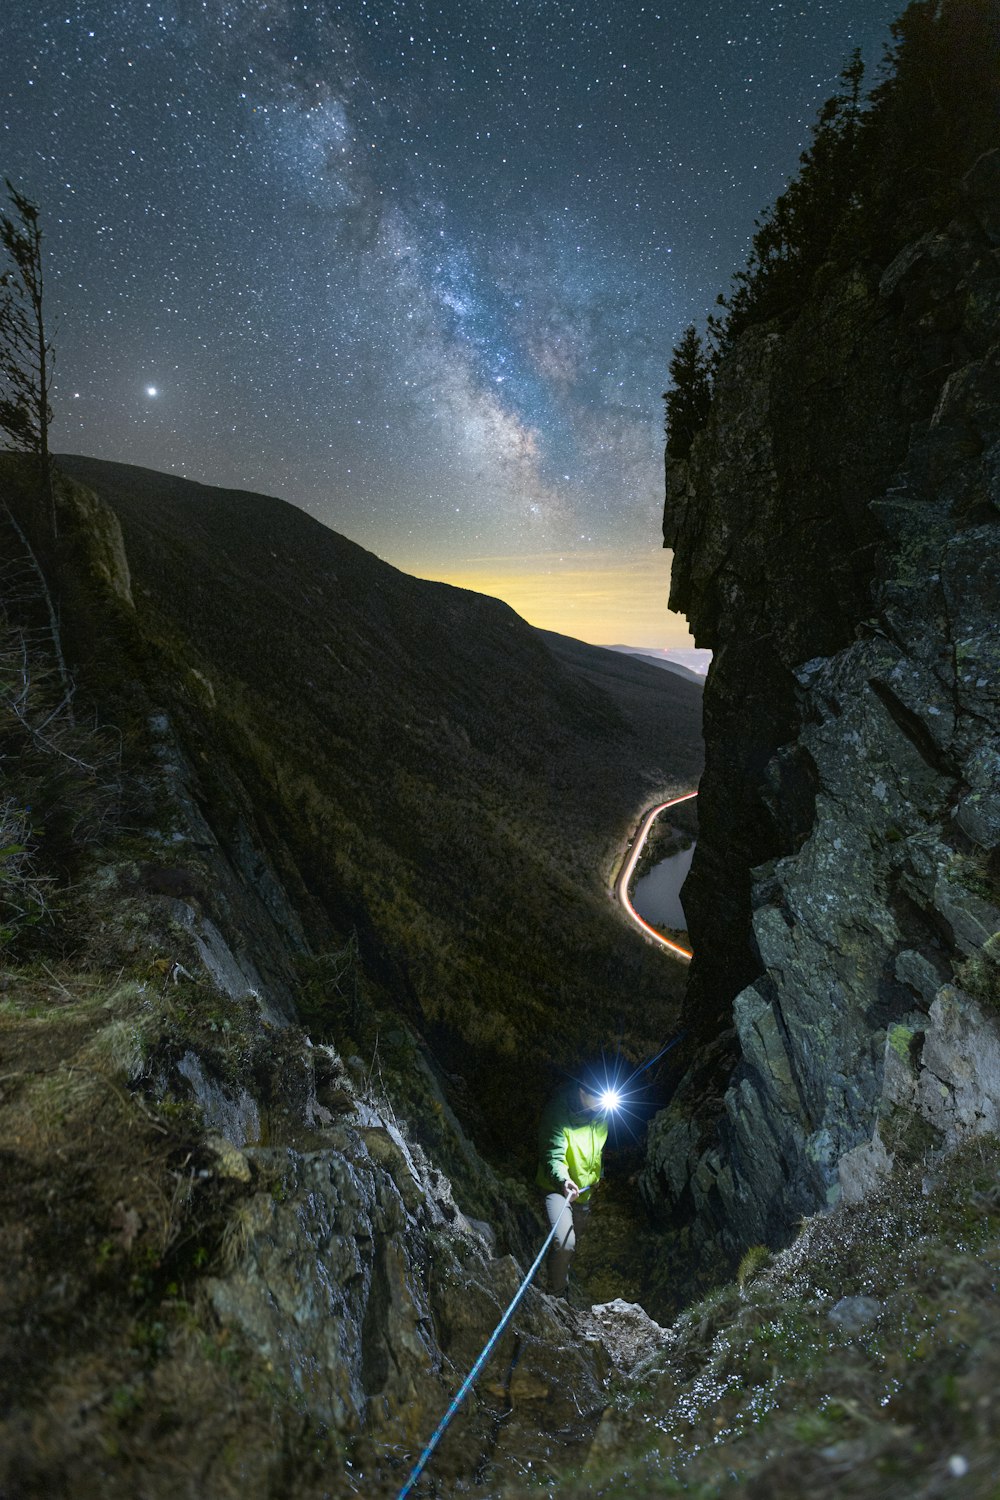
(49, 604)
(57, 981)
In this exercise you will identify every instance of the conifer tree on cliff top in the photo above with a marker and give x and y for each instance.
(690, 394)
(878, 173)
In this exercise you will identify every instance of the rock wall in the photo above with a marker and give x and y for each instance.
(260, 1274)
(350, 1272)
(837, 544)
(364, 1289)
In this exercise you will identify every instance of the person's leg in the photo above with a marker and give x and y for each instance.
(564, 1243)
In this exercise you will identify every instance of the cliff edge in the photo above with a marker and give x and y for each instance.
(837, 545)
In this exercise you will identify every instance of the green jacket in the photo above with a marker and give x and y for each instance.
(570, 1144)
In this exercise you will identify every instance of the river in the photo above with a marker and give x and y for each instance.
(656, 896)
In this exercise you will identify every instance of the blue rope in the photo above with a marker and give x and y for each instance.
(673, 1043)
(463, 1389)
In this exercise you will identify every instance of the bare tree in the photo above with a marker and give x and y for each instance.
(26, 355)
(26, 363)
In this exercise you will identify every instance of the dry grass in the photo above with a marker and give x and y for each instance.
(120, 1366)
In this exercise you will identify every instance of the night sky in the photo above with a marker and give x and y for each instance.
(416, 267)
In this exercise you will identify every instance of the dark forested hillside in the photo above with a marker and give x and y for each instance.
(304, 905)
(445, 785)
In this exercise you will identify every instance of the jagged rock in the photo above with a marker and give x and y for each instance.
(323, 1257)
(972, 920)
(941, 1085)
(246, 894)
(851, 801)
(628, 1332)
(978, 813)
(862, 1170)
(669, 1147)
(386, 1146)
(230, 1162)
(855, 1313)
(235, 1120)
(920, 971)
(982, 187)
(958, 1085)
(97, 532)
(370, 1296)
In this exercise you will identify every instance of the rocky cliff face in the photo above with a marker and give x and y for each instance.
(837, 544)
(235, 1256)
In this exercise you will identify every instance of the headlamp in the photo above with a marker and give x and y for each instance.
(610, 1099)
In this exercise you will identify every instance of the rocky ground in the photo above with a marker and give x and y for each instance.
(269, 1289)
(860, 1361)
(213, 1290)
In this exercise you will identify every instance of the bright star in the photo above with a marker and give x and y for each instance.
(151, 390)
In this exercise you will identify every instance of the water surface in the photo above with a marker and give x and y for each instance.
(656, 897)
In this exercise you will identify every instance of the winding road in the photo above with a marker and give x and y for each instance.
(628, 868)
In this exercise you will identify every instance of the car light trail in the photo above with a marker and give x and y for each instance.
(628, 869)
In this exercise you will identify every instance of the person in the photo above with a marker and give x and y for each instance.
(571, 1140)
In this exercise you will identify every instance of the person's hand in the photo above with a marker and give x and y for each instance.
(571, 1190)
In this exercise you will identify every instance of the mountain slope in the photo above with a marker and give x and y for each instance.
(661, 659)
(445, 784)
(594, 660)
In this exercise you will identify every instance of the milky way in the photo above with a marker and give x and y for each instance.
(416, 267)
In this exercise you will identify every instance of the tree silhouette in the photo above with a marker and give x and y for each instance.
(690, 394)
(880, 171)
(26, 361)
(798, 232)
(26, 355)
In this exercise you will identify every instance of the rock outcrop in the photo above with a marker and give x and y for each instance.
(240, 1258)
(837, 544)
(362, 1286)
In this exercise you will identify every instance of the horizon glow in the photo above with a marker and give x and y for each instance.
(606, 597)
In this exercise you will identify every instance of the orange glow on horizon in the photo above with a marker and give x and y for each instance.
(603, 597)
